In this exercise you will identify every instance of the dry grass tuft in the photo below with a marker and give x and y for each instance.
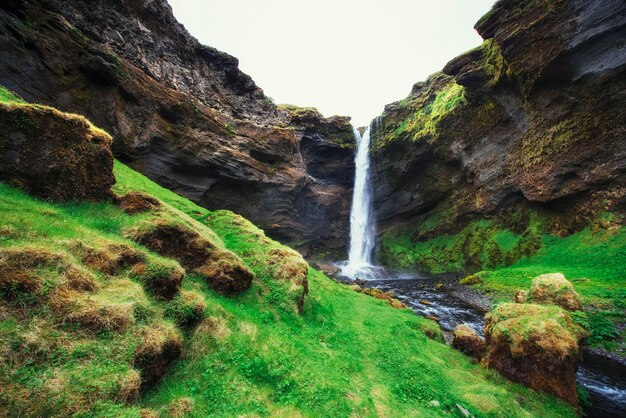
(17, 269)
(187, 308)
(223, 270)
(226, 273)
(160, 345)
(90, 312)
(181, 407)
(130, 386)
(161, 278)
(137, 202)
(110, 259)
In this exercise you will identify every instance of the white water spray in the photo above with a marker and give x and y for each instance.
(362, 228)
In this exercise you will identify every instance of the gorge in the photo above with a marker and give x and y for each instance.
(173, 243)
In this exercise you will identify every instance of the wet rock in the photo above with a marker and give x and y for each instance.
(471, 279)
(389, 297)
(554, 289)
(535, 345)
(468, 341)
(463, 411)
(73, 158)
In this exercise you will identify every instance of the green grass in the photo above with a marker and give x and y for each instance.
(7, 96)
(346, 354)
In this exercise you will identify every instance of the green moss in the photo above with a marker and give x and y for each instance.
(427, 113)
(493, 61)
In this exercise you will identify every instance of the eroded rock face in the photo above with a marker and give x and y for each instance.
(182, 113)
(527, 119)
(54, 155)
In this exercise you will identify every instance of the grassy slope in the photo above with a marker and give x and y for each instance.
(347, 353)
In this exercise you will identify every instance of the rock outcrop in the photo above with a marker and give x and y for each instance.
(183, 113)
(535, 345)
(528, 119)
(54, 155)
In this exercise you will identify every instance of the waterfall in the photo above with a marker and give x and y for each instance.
(362, 227)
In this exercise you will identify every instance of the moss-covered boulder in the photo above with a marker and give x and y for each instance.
(535, 345)
(468, 341)
(554, 289)
(54, 155)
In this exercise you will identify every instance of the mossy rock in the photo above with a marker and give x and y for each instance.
(468, 341)
(471, 279)
(555, 289)
(536, 345)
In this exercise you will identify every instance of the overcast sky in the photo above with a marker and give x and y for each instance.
(346, 57)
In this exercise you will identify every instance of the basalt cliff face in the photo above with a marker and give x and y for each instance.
(183, 113)
(533, 118)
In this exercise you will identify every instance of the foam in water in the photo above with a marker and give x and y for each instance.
(362, 227)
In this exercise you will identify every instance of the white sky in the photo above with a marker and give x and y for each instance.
(345, 57)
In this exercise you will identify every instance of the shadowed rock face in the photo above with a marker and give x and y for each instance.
(529, 118)
(182, 113)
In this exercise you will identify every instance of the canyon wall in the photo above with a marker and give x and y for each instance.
(533, 118)
(183, 113)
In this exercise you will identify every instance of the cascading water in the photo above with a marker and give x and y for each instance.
(362, 228)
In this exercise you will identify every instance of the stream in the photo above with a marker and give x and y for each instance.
(454, 304)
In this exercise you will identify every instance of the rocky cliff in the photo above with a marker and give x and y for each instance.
(532, 119)
(183, 113)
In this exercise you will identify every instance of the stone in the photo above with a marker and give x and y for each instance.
(554, 289)
(466, 340)
(535, 345)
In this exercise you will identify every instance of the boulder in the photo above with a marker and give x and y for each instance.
(466, 340)
(554, 289)
(54, 155)
(535, 345)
